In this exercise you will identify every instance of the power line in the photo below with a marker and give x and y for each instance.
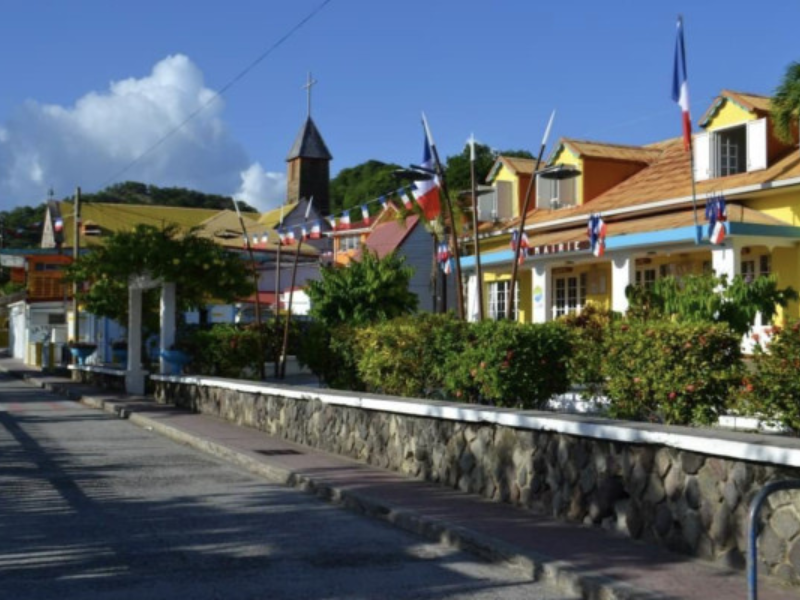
(219, 93)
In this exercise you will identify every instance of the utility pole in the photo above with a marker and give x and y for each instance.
(474, 190)
(76, 244)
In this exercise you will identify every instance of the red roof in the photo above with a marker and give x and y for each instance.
(387, 237)
(264, 298)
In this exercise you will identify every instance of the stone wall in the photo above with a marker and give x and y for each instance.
(692, 503)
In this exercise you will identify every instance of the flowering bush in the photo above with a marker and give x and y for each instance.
(407, 356)
(332, 353)
(510, 364)
(590, 330)
(670, 372)
(772, 390)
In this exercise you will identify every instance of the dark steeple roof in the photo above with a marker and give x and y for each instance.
(309, 143)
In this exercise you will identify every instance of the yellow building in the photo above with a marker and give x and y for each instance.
(644, 194)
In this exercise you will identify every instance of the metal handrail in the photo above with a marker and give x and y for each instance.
(752, 530)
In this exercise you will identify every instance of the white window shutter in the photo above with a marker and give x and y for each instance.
(757, 145)
(505, 197)
(702, 156)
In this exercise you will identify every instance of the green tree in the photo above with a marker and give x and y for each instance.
(353, 186)
(786, 103)
(457, 166)
(368, 290)
(133, 192)
(201, 270)
(710, 299)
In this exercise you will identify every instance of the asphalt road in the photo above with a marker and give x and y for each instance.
(94, 507)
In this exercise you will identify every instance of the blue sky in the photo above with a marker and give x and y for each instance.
(493, 68)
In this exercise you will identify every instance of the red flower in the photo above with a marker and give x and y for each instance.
(672, 395)
(690, 388)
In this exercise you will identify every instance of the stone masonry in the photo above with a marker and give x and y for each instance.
(690, 503)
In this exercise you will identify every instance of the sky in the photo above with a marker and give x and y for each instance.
(90, 88)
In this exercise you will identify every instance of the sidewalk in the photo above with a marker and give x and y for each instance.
(587, 561)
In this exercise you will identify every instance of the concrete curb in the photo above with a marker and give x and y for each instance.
(538, 567)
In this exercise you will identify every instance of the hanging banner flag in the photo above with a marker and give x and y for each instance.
(403, 194)
(290, 239)
(331, 221)
(344, 221)
(58, 225)
(264, 239)
(384, 203)
(281, 237)
(680, 87)
(596, 230)
(427, 191)
(717, 215)
(365, 214)
(304, 233)
(316, 231)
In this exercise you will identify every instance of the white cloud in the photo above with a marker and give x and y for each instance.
(261, 189)
(90, 143)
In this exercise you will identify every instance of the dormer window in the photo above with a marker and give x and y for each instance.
(731, 150)
(497, 206)
(555, 193)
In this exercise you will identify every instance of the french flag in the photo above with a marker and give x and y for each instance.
(365, 214)
(316, 231)
(344, 221)
(427, 192)
(58, 225)
(717, 214)
(597, 230)
(680, 87)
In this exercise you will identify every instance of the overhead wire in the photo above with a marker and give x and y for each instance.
(241, 75)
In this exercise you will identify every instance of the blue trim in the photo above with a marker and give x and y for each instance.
(651, 238)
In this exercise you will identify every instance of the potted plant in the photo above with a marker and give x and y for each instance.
(81, 350)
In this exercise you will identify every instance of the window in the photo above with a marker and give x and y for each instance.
(555, 193)
(759, 266)
(498, 205)
(646, 277)
(56, 319)
(732, 150)
(569, 294)
(350, 242)
(498, 299)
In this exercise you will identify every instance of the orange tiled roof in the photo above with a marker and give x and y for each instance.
(588, 149)
(668, 178)
(752, 102)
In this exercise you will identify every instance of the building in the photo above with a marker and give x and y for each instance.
(644, 194)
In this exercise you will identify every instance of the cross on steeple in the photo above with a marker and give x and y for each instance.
(308, 85)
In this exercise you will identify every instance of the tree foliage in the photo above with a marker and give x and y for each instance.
(786, 103)
(710, 299)
(457, 169)
(133, 192)
(368, 290)
(201, 270)
(356, 185)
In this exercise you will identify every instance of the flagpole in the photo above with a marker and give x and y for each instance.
(285, 345)
(450, 216)
(521, 229)
(680, 94)
(261, 369)
(278, 290)
(474, 189)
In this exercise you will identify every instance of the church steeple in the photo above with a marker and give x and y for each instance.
(308, 169)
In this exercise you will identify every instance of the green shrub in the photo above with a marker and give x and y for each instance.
(590, 330)
(332, 354)
(407, 356)
(773, 389)
(671, 373)
(510, 364)
(227, 350)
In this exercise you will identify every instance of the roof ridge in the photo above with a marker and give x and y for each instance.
(612, 144)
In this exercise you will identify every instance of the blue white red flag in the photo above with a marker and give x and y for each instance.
(427, 191)
(365, 214)
(596, 231)
(680, 87)
(304, 233)
(316, 231)
(717, 214)
(344, 221)
(289, 237)
(58, 225)
(384, 204)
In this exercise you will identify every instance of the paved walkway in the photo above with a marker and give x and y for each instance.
(586, 561)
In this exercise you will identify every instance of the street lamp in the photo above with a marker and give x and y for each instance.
(557, 172)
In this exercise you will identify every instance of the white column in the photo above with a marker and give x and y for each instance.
(472, 298)
(623, 274)
(167, 323)
(726, 260)
(542, 300)
(134, 377)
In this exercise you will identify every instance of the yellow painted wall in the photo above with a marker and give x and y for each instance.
(504, 174)
(785, 262)
(729, 114)
(785, 206)
(525, 293)
(565, 157)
